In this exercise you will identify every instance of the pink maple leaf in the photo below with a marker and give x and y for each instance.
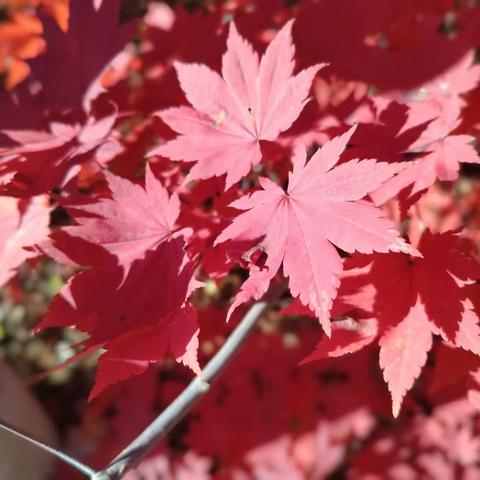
(300, 228)
(255, 100)
(133, 222)
(24, 223)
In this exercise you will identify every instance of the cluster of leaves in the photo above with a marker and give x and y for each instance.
(184, 174)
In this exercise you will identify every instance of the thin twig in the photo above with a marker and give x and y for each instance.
(52, 451)
(160, 427)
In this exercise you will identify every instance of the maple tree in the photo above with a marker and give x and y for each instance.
(315, 159)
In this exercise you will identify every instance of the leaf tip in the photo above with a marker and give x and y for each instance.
(326, 325)
(308, 359)
(289, 24)
(396, 405)
(232, 30)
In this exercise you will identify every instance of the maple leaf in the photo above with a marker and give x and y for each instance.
(437, 278)
(255, 100)
(131, 353)
(136, 220)
(71, 65)
(42, 160)
(24, 223)
(430, 298)
(322, 208)
(441, 151)
(139, 264)
(93, 38)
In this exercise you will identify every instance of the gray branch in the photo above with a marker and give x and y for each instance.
(46, 448)
(160, 427)
(177, 410)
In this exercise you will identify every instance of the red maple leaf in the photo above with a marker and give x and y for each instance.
(138, 283)
(429, 299)
(42, 160)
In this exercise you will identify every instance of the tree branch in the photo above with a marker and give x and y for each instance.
(160, 427)
(46, 448)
